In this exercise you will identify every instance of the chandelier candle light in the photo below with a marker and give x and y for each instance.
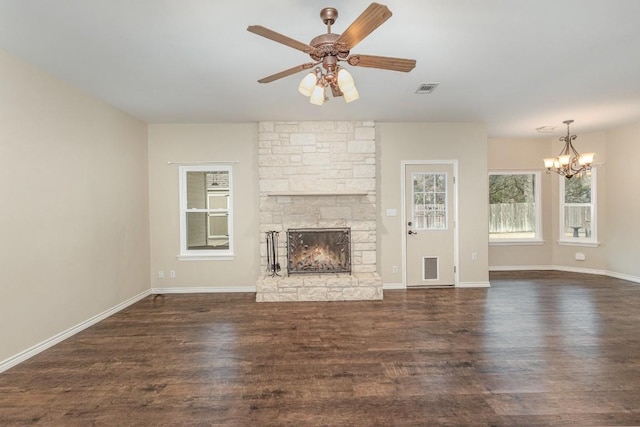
(569, 162)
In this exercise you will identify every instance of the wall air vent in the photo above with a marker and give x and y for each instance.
(426, 88)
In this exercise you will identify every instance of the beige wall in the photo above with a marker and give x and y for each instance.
(622, 201)
(74, 222)
(524, 154)
(618, 231)
(435, 141)
(196, 143)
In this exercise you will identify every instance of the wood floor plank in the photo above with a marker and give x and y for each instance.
(537, 348)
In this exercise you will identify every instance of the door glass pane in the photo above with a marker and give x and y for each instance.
(429, 201)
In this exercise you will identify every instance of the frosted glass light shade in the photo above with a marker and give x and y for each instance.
(345, 80)
(548, 163)
(307, 84)
(564, 159)
(317, 97)
(350, 94)
(586, 159)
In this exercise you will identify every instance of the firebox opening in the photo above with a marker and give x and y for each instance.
(318, 250)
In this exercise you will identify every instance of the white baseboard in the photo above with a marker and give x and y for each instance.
(519, 267)
(203, 290)
(473, 285)
(634, 279)
(50, 342)
(393, 286)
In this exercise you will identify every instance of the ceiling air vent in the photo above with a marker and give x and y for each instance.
(425, 88)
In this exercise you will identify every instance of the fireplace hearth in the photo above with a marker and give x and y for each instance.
(318, 250)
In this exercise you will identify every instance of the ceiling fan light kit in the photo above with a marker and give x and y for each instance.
(329, 49)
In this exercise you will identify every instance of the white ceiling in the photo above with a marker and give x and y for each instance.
(514, 64)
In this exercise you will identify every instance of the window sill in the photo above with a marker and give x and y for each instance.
(516, 242)
(577, 243)
(205, 257)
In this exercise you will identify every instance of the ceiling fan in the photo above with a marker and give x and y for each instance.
(330, 48)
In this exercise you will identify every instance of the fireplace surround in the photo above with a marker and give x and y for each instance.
(319, 175)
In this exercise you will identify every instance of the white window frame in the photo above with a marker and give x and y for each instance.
(591, 241)
(538, 239)
(206, 254)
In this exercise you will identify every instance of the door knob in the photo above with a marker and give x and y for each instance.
(412, 232)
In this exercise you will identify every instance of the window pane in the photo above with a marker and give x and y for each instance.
(206, 235)
(512, 206)
(218, 200)
(429, 201)
(578, 189)
(196, 190)
(577, 221)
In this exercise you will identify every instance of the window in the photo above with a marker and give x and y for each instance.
(514, 208)
(206, 220)
(429, 201)
(578, 209)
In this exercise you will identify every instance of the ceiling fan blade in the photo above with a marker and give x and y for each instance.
(286, 73)
(280, 38)
(384, 62)
(372, 17)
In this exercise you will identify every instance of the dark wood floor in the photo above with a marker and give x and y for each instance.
(538, 348)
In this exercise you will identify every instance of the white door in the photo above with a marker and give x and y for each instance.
(430, 224)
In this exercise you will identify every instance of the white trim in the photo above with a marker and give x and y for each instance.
(520, 267)
(210, 254)
(474, 285)
(205, 162)
(58, 338)
(456, 223)
(393, 286)
(206, 258)
(516, 242)
(576, 243)
(621, 276)
(592, 241)
(204, 289)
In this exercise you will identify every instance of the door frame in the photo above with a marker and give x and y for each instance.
(403, 171)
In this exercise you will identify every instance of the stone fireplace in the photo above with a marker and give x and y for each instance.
(319, 175)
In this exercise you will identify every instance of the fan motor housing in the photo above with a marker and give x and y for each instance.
(325, 45)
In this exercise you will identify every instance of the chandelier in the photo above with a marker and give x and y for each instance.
(336, 78)
(569, 162)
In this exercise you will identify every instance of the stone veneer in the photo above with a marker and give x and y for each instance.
(319, 174)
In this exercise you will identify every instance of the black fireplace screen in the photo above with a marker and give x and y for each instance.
(318, 250)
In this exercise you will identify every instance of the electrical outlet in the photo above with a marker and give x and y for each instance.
(394, 269)
(160, 274)
(172, 274)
